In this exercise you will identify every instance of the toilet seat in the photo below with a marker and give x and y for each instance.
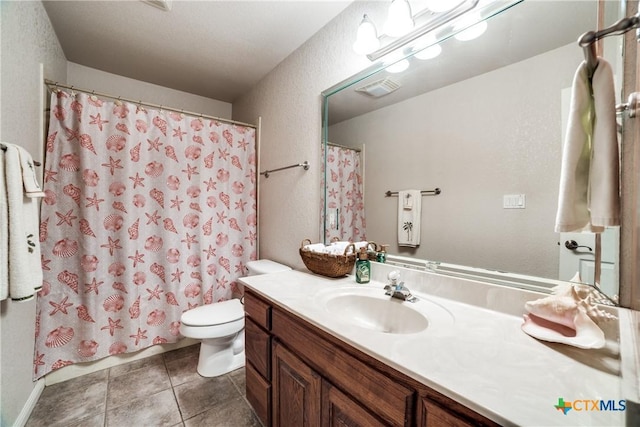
(214, 314)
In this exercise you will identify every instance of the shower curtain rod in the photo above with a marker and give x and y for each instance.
(54, 85)
(344, 146)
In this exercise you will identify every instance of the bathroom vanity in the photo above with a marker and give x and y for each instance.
(329, 352)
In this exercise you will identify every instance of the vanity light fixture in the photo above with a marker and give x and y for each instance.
(399, 19)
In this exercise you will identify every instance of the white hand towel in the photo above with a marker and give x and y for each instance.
(409, 219)
(589, 178)
(29, 178)
(4, 231)
(24, 264)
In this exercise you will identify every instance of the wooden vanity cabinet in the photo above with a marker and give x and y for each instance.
(299, 375)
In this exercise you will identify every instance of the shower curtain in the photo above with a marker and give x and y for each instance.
(147, 214)
(344, 195)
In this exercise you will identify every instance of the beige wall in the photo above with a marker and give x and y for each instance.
(27, 40)
(289, 101)
(496, 134)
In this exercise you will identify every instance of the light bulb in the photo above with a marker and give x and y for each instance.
(439, 6)
(367, 38)
(399, 20)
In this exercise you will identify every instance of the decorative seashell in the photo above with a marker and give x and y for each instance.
(117, 348)
(134, 153)
(95, 101)
(222, 239)
(168, 225)
(87, 348)
(116, 143)
(196, 275)
(211, 202)
(113, 222)
(237, 250)
(174, 328)
(139, 278)
(89, 263)
(207, 227)
(233, 224)
(65, 248)
(120, 110)
(114, 303)
(70, 162)
(171, 299)
(133, 230)
(83, 313)
(193, 260)
(116, 269)
(212, 269)
(252, 159)
(197, 139)
(117, 188)
(214, 137)
(60, 364)
(235, 161)
(154, 169)
(119, 206)
(252, 219)
(90, 177)
(85, 228)
(156, 318)
(192, 290)
(141, 126)
(70, 279)
(223, 175)
(208, 161)
(45, 290)
(153, 243)
(43, 233)
(139, 201)
(191, 220)
(173, 255)
(170, 152)
(173, 182)
(158, 196)
(158, 270)
(224, 198)
(59, 337)
(193, 191)
(225, 263)
(237, 187)
(73, 192)
(123, 128)
(134, 310)
(49, 197)
(207, 298)
(59, 112)
(195, 206)
(119, 286)
(228, 136)
(51, 139)
(160, 124)
(192, 152)
(85, 142)
(38, 314)
(159, 340)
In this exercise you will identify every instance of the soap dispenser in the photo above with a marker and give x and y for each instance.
(363, 267)
(382, 255)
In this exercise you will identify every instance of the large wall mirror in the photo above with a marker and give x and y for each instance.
(484, 122)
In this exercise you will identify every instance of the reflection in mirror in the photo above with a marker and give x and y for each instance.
(483, 121)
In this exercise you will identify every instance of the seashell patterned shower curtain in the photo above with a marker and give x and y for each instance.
(147, 214)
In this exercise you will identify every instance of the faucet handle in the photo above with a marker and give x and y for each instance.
(393, 275)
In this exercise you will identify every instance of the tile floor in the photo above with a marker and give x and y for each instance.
(162, 390)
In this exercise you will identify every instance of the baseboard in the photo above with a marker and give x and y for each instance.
(79, 369)
(25, 413)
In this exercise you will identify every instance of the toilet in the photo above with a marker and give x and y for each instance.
(220, 326)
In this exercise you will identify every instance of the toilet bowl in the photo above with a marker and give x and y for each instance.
(220, 326)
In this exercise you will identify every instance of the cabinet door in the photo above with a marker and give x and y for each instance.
(296, 391)
(258, 348)
(340, 410)
(436, 416)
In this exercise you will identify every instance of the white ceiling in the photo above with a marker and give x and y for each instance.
(216, 49)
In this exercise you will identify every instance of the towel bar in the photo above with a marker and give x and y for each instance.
(304, 165)
(35, 162)
(423, 192)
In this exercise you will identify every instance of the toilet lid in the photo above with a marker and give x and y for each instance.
(214, 314)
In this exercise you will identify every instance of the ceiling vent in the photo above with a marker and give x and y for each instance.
(380, 88)
(160, 4)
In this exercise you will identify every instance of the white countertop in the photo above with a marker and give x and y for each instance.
(479, 357)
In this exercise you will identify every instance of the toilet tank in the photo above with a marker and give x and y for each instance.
(265, 266)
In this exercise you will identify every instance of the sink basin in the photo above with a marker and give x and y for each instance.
(369, 308)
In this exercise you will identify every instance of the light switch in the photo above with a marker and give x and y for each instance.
(514, 201)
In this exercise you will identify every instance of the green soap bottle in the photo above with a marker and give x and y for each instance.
(382, 255)
(363, 267)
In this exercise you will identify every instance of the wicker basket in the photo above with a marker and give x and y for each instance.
(327, 264)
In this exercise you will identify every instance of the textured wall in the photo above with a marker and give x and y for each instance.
(27, 40)
(289, 102)
(505, 139)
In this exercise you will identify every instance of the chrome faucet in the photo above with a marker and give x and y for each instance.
(398, 290)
